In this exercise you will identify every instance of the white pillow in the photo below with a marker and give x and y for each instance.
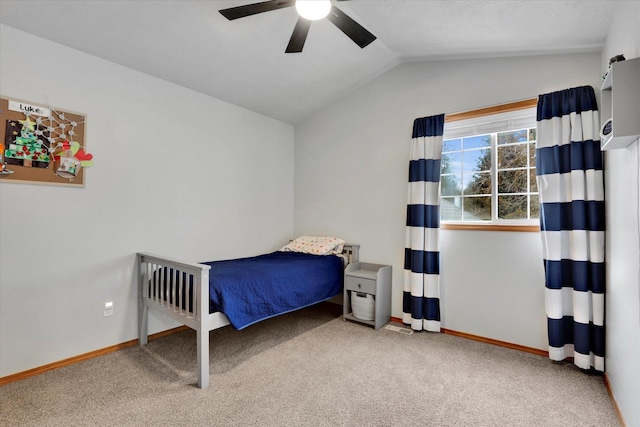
(315, 245)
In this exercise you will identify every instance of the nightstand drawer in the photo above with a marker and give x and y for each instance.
(359, 284)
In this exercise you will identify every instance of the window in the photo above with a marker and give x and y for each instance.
(488, 165)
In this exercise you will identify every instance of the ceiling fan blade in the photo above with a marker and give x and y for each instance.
(299, 35)
(351, 28)
(255, 8)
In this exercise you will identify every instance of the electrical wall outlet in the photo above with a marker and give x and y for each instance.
(108, 309)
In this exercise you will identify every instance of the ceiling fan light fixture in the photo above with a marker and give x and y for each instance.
(313, 9)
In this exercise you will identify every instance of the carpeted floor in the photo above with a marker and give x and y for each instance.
(310, 368)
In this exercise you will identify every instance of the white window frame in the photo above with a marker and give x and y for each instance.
(505, 117)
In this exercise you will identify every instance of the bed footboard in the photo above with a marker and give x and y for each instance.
(179, 290)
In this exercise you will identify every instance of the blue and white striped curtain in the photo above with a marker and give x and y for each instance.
(421, 296)
(571, 184)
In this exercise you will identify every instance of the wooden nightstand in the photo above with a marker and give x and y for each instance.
(370, 279)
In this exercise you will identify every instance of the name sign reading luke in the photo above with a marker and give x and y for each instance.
(28, 108)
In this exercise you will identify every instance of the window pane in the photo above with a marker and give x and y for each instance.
(476, 142)
(477, 183)
(468, 174)
(451, 208)
(532, 154)
(533, 187)
(477, 208)
(512, 136)
(535, 206)
(450, 185)
(512, 207)
(450, 163)
(512, 181)
(451, 145)
(476, 160)
(512, 156)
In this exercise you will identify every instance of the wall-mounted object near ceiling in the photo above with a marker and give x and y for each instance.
(356, 32)
(620, 109)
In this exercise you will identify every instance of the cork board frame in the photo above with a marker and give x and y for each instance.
(29, 134)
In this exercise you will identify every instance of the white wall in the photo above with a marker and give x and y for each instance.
(176, 173)
(351, 169)
(623, 255)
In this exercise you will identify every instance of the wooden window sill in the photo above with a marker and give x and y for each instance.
(492, 227)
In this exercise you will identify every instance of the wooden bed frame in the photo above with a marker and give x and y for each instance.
(173, 303)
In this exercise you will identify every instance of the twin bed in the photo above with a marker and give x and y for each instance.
(240, 292)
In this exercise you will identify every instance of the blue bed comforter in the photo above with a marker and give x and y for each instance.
(248, 290)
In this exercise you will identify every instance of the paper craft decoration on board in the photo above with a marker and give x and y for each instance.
(42, 144)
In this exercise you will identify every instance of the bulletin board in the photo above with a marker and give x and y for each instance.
(42, 144)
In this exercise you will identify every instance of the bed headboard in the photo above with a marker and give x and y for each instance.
(352, 251)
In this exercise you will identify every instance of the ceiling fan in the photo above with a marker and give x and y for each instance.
(347, 25)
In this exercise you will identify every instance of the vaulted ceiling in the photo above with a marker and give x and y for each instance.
(188, 42)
